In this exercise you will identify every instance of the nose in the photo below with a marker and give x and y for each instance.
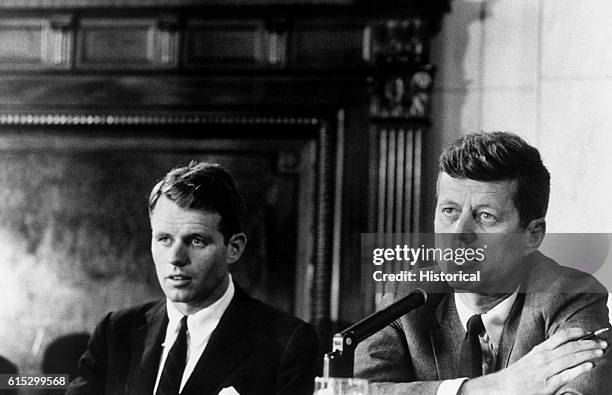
(464, 229)
(177, 255)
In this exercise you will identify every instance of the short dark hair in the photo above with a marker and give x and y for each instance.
(203, 186)
(502, 156)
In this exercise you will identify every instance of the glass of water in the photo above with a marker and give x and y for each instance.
(341, 386)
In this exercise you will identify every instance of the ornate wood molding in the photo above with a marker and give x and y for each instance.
(51, 4)
(21, 4)
(144, 118)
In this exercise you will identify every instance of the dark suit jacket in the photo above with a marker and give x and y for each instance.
(255, 348)
(422, 348)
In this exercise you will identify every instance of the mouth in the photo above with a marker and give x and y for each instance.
(178, 279)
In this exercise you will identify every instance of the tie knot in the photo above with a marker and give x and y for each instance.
(183, 324)
(475, 325)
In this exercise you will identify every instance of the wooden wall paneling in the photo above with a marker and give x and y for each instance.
(35, 43)
(323, 43)
(400, 179)
(276, 42)
(105, 43)
(29, 4)
(380, 188)
(324, 216)
(408, 180)
(399, 110)
(396, 185)
(215, 55)
(219, 43)
(417, 180)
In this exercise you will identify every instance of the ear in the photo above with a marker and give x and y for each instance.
(535, 231)
(235, 247)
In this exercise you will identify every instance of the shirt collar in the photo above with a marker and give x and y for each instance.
(204, 320)
(493, 319)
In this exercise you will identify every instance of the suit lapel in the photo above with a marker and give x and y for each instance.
(520, 311)
(147, 342)
(446, 336)
(228, 345)
(510, 331)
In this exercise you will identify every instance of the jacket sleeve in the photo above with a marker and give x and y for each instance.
(92, 365)
(588, 311)
(297, 367)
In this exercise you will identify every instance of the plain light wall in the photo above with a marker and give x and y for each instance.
(543, 70)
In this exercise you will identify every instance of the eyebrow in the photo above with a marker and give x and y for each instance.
(202, 236)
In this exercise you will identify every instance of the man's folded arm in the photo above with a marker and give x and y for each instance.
(568, 321)
(384, 360)
(588, 311)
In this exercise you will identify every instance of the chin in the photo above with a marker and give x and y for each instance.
(178, 296)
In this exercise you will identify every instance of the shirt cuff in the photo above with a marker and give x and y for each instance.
(450, 387)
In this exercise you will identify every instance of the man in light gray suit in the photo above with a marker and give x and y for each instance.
(521, 328)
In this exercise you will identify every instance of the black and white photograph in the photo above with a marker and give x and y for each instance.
(317, 197)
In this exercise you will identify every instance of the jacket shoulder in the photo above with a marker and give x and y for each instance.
(271, 325)
(132, 316)
(263, 314)
(547, 276)
(562, 296)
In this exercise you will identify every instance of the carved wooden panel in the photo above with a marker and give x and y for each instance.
(397, 182)
(399, 41)
(327, 43)
(402, 96)
(125, 43)
(35, 43)
(219, 42)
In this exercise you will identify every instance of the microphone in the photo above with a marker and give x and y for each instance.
(340, 361)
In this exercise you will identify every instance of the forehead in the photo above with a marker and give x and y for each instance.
(168, 214)
(462, 190)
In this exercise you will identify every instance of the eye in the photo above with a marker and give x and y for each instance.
(486, 218)
(198, 242)
(450, 211)
(164, 240)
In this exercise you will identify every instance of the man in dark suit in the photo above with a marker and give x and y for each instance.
(518, 329)
(207, 336)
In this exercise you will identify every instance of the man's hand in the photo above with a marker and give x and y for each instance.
(545, 369)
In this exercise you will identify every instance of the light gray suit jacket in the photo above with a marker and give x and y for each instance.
(415, 353)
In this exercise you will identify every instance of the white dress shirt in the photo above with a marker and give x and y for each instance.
(493, 321)
(199, 328)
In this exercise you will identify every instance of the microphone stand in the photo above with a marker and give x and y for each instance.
(340, 361)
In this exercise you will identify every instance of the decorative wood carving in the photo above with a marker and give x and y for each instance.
(142, 118)
(399, 113)
(402, 97)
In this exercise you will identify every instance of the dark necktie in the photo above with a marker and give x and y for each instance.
(471, 353)
(170, 380)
